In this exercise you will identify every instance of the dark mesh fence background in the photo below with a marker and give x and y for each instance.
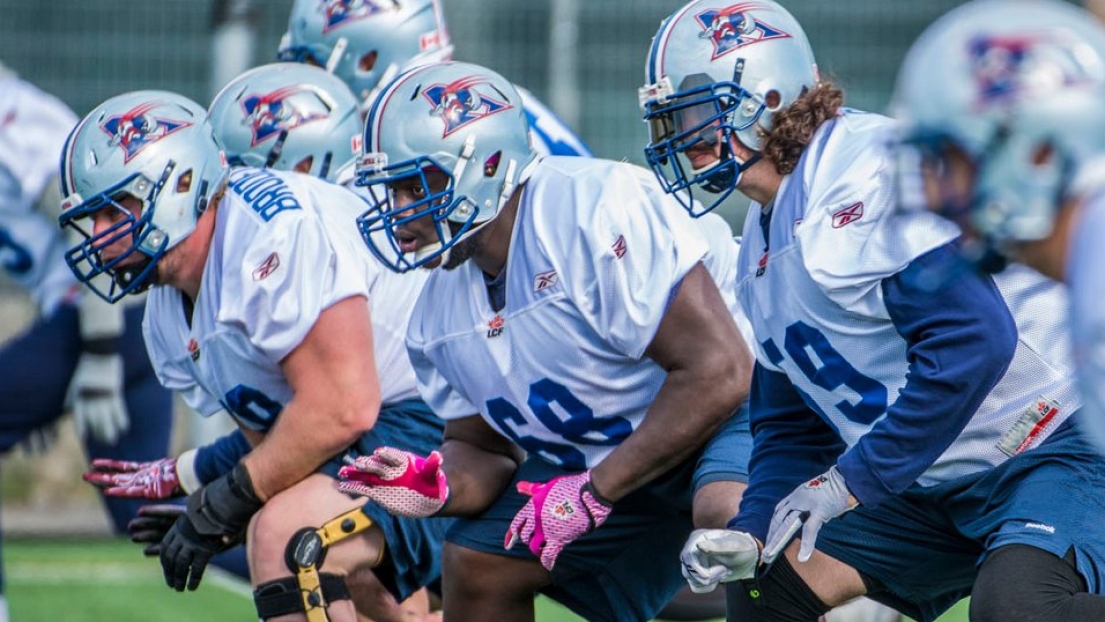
(87, 51)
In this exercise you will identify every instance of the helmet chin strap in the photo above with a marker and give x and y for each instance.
(727, 171)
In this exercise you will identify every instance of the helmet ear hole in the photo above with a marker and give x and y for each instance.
(184, 182)
(772, 99)
(1043, 154)
(491, 164)
(304, 165)
(368, 61)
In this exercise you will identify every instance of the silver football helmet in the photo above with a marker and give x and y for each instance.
(461, 120)
(156, 146)
(366, 43)
(1005, 83)
(288, 116)
(717, 70)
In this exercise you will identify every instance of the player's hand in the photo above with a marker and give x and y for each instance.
(713, 556)
(151, 524)
(215, 520)
(810, 506)
(136, 480)
(559, 511)
(402, 483)
(96, 397)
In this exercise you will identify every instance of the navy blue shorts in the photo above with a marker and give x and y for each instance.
(413, 557)
(628, 569)
(925, 545)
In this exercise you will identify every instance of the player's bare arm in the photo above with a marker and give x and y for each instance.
(337, 398)
(478, 462)
(708, 367)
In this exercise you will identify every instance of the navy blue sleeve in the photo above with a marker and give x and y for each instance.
(790, 444)
(961, 338)
(218, 458)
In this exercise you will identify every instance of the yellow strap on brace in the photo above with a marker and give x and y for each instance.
(337, 529)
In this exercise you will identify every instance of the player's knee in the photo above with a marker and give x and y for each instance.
(476, 575)
(717, 502)
(779, 596)
(1020, 582)
(268, 538)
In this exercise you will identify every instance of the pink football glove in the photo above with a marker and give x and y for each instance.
(559, 511)
(136, 480)
(403, 483)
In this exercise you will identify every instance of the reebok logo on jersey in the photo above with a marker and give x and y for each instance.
(619, 247)
(848, 215)
(761, 266)
(545, 280)
(1041, 527)
(495, 326)
(194, 349)
(267, 267)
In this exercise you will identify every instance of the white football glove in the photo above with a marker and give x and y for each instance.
(96, 397)
(810, 506)
(713, 556)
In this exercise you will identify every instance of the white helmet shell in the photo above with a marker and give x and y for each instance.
(283, 114)
(1001, 80)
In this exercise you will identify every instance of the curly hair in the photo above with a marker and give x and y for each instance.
(793, 126)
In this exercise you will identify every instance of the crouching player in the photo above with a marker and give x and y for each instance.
(259, 306)
(571, 315)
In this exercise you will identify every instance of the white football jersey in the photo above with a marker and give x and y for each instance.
(33, 128)
(812, 291)
(596, 252)
(285, 248)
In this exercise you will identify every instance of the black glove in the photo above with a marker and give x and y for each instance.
(151, 524)
(216, 520)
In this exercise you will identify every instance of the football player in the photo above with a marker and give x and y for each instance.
(572, 338)
(81, 354)
(366, 44)
(1014, 152)
(259, 305)
(911, 426)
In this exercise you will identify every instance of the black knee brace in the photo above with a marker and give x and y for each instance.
(1021, 582)
(779, 595)
(284, 596)
(309, 591)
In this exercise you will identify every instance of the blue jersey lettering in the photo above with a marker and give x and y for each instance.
(580, 427)
(266, 193)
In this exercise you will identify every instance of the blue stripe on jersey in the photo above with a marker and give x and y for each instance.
(961, 339)
(790, 444)
(216, 459)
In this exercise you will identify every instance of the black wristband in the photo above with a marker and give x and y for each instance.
(223, 507)
(100, 345)
(241, 484)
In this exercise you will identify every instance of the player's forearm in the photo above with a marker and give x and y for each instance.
(688, 410)
(960, 345)
(304, 437)
(211, 461)
(791, 444)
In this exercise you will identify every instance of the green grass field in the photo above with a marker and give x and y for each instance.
(102, 580)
